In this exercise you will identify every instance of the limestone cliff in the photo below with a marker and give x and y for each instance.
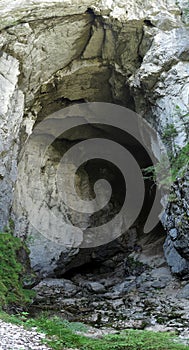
(55, 53)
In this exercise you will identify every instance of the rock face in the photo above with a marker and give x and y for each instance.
(11, 114)
(55, 53)
(176, 220)
(146, 299)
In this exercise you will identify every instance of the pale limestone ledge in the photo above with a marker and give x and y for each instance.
(12, 12)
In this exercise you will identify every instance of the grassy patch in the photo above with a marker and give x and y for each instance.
(61, 334)
(125, 340)
(12, 272)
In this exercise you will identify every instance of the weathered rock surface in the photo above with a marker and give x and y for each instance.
(11, 114)
(54, 53)
(176, 221)
(148, 298)
(184, 293)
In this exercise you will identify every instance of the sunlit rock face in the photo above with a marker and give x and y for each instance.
(56, 53)
(11, 116)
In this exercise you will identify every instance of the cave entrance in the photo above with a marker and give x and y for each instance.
(98, 82)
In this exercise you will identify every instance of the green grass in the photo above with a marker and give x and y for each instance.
(130, 339)
(12, 272)
(61, 334)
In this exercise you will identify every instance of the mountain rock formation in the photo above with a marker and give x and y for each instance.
(57, 53)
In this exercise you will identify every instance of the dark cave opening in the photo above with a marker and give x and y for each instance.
(93, 260)
(53, 99)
